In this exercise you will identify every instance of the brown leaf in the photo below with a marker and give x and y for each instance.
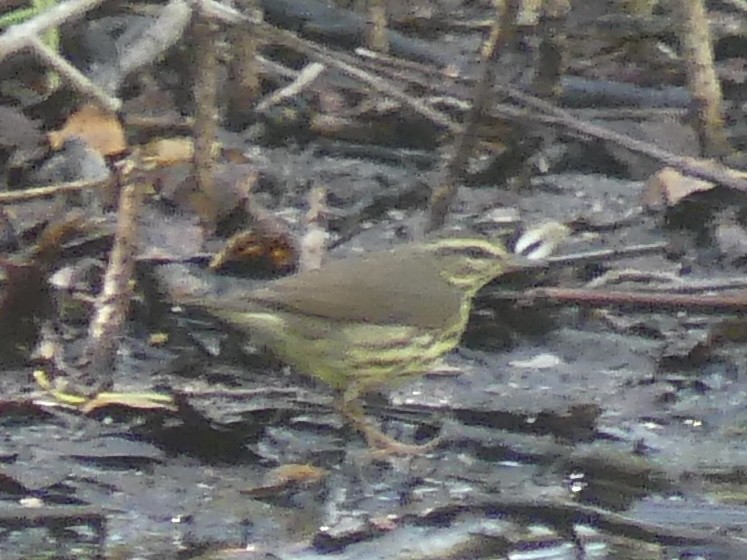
(668, 187)
(99, 128)
(168, 151)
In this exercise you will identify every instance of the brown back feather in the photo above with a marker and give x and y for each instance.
(410, 293)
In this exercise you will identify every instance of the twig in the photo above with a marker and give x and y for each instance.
(444, 194)
(377, 26)
(223, 12)
(694, 167)
(314, 242)
(205, 96)
(74, 77)
(374, 82)
(546, 113)
(602, 255)
(695, 286)
(305, 78)
(735, 302)
(332, 59)
(113, 302)
(695, 38)
(549, 113)
(244, 84)
(553, 115)
(665, 280)
(11, 197)
(27, 35)
(17, 37)
(161, 35)
(157, 38)
(551, 54)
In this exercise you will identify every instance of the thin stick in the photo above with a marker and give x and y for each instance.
(694, 167)
(205, 96)
(304, 79)
(17, 37)
(73, 76)
(550, 114)
(113, 302)
(444, 194)
(11, 197)
(334, 60)
(735, 302)
(580, 259)
(314, 241)
(155, 40)
(695, 38)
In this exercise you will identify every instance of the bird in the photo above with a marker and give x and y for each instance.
(364, 322)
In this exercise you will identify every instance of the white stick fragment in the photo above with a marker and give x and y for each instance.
(306, 77)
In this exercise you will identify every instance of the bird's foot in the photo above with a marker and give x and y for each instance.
(382, 445)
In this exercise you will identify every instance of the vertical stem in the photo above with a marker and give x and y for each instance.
(205, 95)
(695, 37)
(443, 195)
(377, 38)
(112, 305)
(243, 71)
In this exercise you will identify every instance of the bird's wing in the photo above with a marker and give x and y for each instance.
(413, 294)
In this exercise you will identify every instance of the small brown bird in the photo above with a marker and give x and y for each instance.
(361, 323)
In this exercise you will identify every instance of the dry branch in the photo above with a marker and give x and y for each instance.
(113, 302)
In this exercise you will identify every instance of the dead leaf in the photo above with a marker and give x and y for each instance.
(668, 187)
(171, 151)
(99, 128)
(167, 151)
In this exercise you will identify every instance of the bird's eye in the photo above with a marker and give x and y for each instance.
(467, 251)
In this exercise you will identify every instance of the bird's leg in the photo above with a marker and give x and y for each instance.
(384, 445)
